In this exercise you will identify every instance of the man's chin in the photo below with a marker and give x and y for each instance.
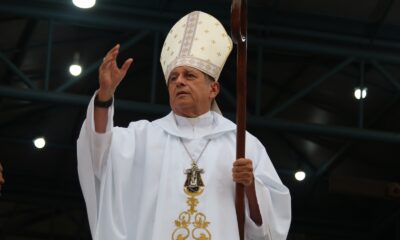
(182, 107)
(183, 102)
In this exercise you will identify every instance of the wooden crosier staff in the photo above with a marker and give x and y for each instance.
(239, 36)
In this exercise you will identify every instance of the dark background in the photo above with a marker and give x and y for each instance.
(304, 60)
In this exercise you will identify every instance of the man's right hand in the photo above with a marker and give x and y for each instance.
(110, 75)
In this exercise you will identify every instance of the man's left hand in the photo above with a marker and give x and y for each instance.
(242, 171)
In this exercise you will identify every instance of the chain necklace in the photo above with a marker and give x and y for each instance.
(193, 182)
(192, 222)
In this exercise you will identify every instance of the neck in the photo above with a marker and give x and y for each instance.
(201, 121)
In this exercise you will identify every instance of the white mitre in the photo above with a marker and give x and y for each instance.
(197, 40)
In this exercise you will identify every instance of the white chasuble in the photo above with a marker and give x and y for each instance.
(133, 180)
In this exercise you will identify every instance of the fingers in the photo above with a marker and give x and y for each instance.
(116, 47)
(243, 164)
(110, 58)
(126, 65)
(242, 161)
(110, 63)
(122, 72)
(110, 75)
(242, 171)
(244, 178)
(111, 55)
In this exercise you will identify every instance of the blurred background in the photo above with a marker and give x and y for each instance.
(323, 97)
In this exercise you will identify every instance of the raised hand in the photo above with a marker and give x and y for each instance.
(110, 75)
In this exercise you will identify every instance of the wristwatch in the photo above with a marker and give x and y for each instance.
(102, 104)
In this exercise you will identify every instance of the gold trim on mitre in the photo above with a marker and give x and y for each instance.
(197, 40)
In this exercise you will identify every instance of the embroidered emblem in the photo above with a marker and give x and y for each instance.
(192, 224)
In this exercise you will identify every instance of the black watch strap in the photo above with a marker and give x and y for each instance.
(102, 104)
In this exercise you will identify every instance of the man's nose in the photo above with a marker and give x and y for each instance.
(180, 80)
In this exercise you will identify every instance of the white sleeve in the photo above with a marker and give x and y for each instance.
(252, 230)
(272, 196)
(92, 150)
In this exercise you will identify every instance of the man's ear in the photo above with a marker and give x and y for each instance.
(214, 89)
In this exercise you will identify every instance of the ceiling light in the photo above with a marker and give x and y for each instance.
(84, 3)
(39, 142)
(300, 175)
(75, 70)
(358, 93)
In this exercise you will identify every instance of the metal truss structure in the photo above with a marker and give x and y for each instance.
(48, 214)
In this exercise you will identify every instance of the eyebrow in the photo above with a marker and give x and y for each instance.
(191, 71)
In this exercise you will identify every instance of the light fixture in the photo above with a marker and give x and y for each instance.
(75, 69)
(358, 93)
(39, 142)
(300, 175)
(84, 3)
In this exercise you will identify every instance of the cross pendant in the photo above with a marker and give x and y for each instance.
(193, 181)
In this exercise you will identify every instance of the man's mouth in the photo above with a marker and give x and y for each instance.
(181, 93)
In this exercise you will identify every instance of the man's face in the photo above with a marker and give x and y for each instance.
(191, 91)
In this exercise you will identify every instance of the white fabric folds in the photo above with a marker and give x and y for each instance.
(132, 180)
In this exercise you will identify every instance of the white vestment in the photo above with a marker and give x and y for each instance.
(132, 179)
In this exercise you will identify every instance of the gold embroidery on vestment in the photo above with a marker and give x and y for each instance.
(191, 224)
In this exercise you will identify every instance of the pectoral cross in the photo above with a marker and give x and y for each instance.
(193, 181)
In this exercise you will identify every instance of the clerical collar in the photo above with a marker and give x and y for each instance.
(220, 125)
(205, 119)
(196, 127)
